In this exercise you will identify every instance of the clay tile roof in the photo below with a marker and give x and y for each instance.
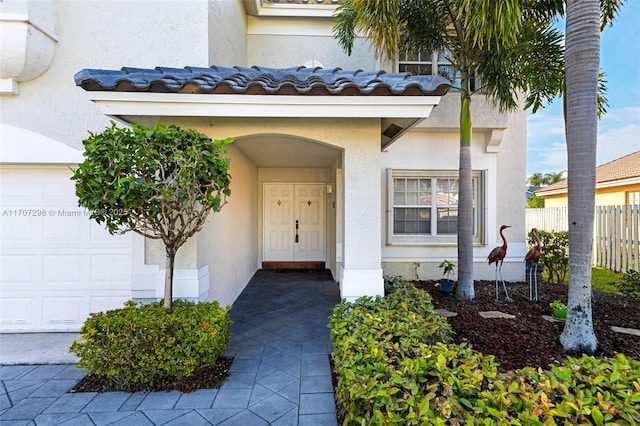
(261, 81)
(623, 168)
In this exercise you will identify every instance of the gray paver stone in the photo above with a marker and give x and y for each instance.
(245, 418)
(159, 400)
(54, 388)
(107, 401)
(318, 420)
(66, 419)
(162, 416)
(71, 402)
(202, 398)
(272, 407)
(27, 409)
(317, 403)
(192, 418)
(316, 384)
(232, 398)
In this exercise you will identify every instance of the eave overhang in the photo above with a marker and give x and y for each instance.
(398, 114)
(398, 100)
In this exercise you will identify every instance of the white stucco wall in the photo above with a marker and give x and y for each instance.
(282, 42)
(423, 149)
(227, 245)
(110, 35)
(227, 33)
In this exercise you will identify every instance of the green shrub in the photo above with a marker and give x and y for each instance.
(393, 366)
(142, 346)
(392, 283)
(555, 254)
(631, 285)
(585, 390)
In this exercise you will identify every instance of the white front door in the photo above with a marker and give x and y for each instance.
(293, 222)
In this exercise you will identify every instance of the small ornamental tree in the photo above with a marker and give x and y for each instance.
(160, 182)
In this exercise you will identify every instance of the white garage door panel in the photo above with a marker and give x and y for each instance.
(16, 228)
(57, 228)
(110, 267)
(63, 311)
(17, 269)
(17, 312)
(59, 267)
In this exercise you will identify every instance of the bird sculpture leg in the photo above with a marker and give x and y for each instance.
(535, 277)
(497, 288)
(504, 285)
(530, 282)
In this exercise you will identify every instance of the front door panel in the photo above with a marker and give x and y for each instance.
(293, 222)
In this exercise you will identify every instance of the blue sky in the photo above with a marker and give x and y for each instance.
(619, 129)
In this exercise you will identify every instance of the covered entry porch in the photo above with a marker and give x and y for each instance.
(315, 137)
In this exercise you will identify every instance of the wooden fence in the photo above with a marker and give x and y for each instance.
(616, 233)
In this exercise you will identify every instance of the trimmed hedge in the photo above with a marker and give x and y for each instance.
(143, 346)
(393, 366)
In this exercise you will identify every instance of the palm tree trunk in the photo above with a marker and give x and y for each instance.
(168, 277)
(466, 290)
(582, 65)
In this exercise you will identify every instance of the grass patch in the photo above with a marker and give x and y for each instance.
(601, 279)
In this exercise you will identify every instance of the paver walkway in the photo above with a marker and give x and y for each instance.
(280, 373)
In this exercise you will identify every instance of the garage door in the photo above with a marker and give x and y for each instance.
(56, 265)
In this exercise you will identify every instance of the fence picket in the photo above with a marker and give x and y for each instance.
(616, 233)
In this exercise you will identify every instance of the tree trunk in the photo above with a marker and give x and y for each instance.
(582, 65)
(168, 277)
(466, 290)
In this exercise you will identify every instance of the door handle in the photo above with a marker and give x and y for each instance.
(297, 238)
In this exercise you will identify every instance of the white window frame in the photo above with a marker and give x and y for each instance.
(479, 217)
(433, 61)
(633, 198)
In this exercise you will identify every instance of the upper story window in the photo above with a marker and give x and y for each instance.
(420, 62)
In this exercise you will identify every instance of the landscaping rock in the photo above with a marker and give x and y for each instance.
(495, 314)
(445, 313)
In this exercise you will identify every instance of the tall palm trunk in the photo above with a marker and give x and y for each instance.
(582, 65)
(466, 288)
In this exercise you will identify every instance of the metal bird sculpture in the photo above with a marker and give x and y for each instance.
(497, 255)
(531, 260)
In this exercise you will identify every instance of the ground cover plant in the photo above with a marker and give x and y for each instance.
(405, 380)
(147, 347)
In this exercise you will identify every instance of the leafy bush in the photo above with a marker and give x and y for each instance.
(631, 285)
(392, 283)
(142, 346)
(555, 254)
(393, 366)
(584, 390)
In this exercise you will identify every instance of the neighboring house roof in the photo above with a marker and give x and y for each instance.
(620, 171)
(262, 81)
(531, 190)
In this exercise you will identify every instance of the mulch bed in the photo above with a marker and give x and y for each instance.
(529, 339)
(206, 377)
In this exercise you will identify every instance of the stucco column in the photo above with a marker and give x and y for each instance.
(361, 272)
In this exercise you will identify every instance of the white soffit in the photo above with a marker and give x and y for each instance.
(228, 105)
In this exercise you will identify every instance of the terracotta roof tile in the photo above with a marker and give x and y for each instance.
(261, 81)
(626, 167)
